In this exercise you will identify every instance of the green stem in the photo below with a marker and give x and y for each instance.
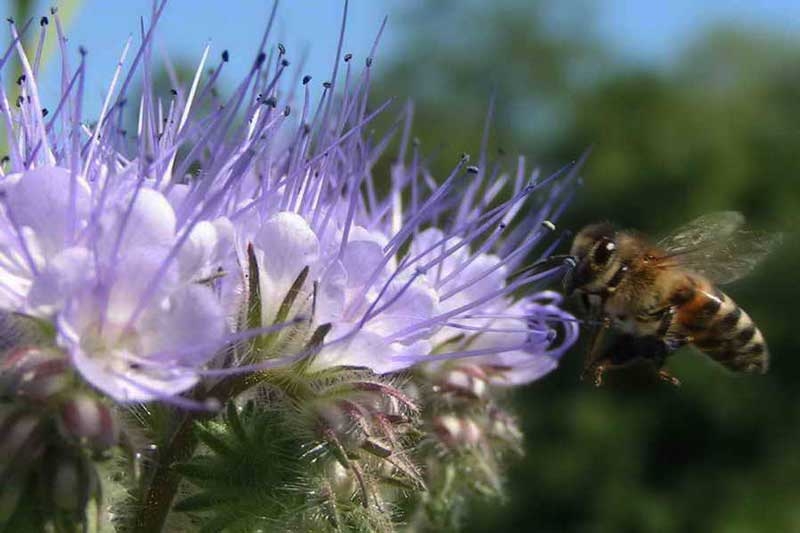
(157, 497)
(160, 492)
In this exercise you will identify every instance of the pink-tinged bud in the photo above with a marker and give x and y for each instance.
(73, 483)
(90, 421)
(456, 432)
(504, 426)
(19, 435)
(66, 486)
(341, 480)
(36, 374)
(465, 380)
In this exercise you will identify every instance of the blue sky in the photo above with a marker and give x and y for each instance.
(648, 31)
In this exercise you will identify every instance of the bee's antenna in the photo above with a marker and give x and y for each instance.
(547, 263)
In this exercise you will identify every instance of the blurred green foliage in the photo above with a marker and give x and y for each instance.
(718, 129)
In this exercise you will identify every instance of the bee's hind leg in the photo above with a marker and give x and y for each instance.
(667, 377)
(667, 346)
(624, 350)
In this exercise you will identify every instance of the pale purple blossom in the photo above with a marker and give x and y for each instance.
(135, 244)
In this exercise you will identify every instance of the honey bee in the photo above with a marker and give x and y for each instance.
(664, 296)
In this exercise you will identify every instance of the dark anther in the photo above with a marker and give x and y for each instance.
(123, 132)
(306, 129)
(20, 99)
(82, 51)
(10, 20)
(473, 169)
(284, 62)
(369, 62)
(306, 79)
(5, 160)
(260, 59)
(502, 225)
(287, 111)
(226, 56)
(21, 80)
(326, 84)
(271, 101)
(464, 157)
(53, 10)
(348, 57)
(44, 21)
(45, 112)
(173, 92)
(122, 102)
(281, 48)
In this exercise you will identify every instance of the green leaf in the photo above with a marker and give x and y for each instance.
(197, 469)
(199, 502)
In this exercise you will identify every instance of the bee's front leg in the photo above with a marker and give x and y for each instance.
(593, 365)
(666, 316)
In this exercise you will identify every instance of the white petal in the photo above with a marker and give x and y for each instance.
(331, 294)
(113, 376)
(151, 221)
(412, 304)
(40, 200)
(367, 349)
(193, 319)
(67, 272)
(195, 255)
(133, 276)
(288, 245)
(527, 368)
(475, 281)
(363, 255)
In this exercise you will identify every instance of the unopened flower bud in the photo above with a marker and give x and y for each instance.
(35, 373)
(341, 480)
(504, 425)
(73, 483)
(19, 437)
(456, 432)
(87, 419)
(465, 380)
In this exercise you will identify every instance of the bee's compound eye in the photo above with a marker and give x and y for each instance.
(603, 251)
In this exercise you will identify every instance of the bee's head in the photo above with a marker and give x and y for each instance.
(595, 252)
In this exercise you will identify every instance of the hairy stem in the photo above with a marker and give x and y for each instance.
(157, 498)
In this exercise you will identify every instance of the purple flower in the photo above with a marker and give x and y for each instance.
(138, 247)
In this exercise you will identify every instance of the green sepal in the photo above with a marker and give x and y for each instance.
(212, 439)
(312, 348)
(197, 469)
(291, 296)
(253, 290)
(235, 423)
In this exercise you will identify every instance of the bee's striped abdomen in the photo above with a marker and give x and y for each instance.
(724, 331)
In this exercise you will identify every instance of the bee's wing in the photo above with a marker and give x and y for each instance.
(718, 246)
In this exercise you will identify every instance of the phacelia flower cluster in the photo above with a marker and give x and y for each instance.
(182, 239)
(134, 247)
